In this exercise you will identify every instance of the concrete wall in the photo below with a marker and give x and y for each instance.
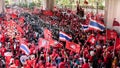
(112, 10)
(1, 6)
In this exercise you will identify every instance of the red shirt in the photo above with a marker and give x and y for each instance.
(54, 55)
(62, 65)
(32, 49)
(14, 15)
(21, 19)
(29, 62)
(13, 66)
(33, 63)
(86, 65)
(40, 66)
(7, 59)
(27, 66)
(2, 38)
(2, 51)
(17, 62)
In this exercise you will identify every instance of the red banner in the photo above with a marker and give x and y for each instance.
(73, 46)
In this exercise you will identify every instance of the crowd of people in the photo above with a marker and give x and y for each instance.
(20, 26)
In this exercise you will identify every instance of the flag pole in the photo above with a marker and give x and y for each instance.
(114, 47)
(48, 44)
(47, 51)
(84, 47)
(105, 21)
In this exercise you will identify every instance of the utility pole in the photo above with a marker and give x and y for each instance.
(97, 7)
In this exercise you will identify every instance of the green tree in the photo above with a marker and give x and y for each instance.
(64, 2)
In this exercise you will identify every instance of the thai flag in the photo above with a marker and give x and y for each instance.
(85, 27)
(24, 48)
(96, 25)
(64, 37)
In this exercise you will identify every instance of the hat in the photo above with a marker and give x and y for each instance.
(32, 56)
(104, 46)
(0, 44)
(92, 53)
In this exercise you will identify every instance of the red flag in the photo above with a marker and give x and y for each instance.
(117, 45)
(72, 46)
(116, 23)
(59, 45)
(111, 34)
(91, 39)
(47, 34)
(55, 43)
(43, 43)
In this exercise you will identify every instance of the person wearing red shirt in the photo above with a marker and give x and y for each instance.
(2, 37)
(86, 65)
(27, 64)
(62, 63)
(2, 50)
(13, 65)
(54, 55)
(17, 63)
(32, 49)
(40, 65)
(7, 59)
